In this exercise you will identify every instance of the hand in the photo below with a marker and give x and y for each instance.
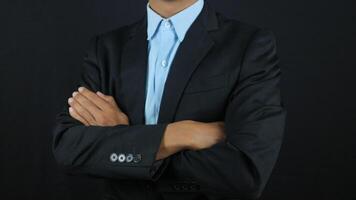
(95, 109)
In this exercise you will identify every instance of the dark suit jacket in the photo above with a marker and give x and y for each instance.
(224, 70)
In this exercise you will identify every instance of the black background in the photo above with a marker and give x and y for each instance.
(41, 48)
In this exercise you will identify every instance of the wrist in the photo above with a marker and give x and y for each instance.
(185, 139)
(185, 132)
(178, 136)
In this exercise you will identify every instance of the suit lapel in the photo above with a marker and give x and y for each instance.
(134, 66)
(191, 51)
(133, 72)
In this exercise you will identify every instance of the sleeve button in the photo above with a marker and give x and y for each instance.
(121, 157)
(137, 158)
(185, 187)
(113, 157)
(129, 157)
(176, 187)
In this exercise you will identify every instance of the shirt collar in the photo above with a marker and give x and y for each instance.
(181, 21)
(153, 20)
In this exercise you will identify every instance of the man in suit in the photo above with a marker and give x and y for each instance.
(183, 104)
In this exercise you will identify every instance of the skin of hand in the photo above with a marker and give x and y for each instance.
(95, 109)
(190, 135)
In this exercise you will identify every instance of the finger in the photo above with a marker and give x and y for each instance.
(86, 103)
(82, 111)
(76, 116)
(95, 99)
(108, 99)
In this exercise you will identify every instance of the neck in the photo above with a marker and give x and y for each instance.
(168, 8)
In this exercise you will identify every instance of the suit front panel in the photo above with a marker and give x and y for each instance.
(224, 70)
(205, 98)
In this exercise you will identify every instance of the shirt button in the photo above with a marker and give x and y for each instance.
(164, 63)
(167, 24)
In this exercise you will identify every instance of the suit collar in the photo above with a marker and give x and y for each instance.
(153, 21)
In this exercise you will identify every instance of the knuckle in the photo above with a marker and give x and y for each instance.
(100, 118)
(75, 107)
(71, 101)
(111, 98)
(91, 95)
(77, 98)
(85, 101)
(74, 114)
(78, 108)
(91, 120)
(87, 93)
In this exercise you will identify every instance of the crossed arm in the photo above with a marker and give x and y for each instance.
(242, 150)
(101, 110)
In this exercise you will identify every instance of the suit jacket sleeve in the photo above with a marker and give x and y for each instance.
(254, 126)
(87, 150)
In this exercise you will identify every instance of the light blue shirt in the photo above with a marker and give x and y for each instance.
(164, 36)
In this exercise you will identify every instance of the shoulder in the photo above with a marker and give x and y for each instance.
(241, 30)
(117, 35)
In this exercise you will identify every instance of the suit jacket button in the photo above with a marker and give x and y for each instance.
(121, 157)
(137, 158)
(113, 157)
(185, 187)
(129, 157)
(195, 187)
